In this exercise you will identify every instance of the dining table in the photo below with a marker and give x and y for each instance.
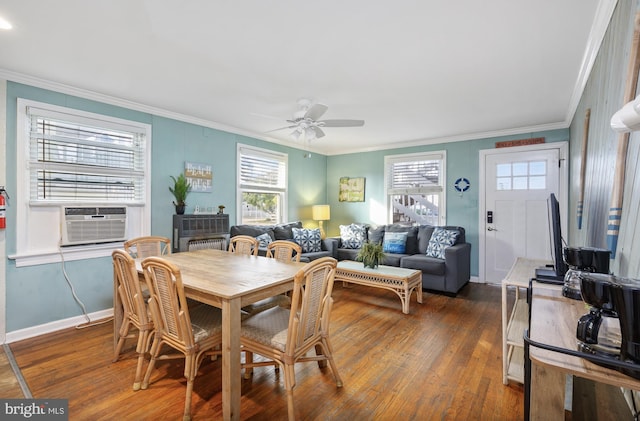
(228, 281)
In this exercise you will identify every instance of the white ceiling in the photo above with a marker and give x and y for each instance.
(417, 71)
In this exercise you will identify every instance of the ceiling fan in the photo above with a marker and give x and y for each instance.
(305, 123)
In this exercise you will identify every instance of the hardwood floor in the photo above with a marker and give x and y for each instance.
(442, 361)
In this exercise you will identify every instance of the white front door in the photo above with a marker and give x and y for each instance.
(514, 214)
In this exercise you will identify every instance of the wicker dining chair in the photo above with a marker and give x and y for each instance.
(284, 336)
(285, 251)
(135, 310)
(244, 244)
(152, 245)
(194, 332)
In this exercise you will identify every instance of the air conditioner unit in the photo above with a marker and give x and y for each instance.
(91, 225)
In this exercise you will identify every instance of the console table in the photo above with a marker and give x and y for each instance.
(553, 323)
(515, 323)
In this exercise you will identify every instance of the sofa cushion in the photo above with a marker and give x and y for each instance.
(430, 265)
(393, 259)
(375, 235)
(394, 242)
(251, 230)
(284, 231)
(264, 240)
(424, 235)
(440, 240)
(412, 232)
(352, 236)
(308, 239)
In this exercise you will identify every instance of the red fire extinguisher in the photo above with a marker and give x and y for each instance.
(3, 211)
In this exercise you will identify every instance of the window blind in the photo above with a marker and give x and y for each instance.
(84, 160)
(260, 170)
(415, 175)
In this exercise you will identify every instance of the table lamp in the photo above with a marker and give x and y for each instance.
(321, 213)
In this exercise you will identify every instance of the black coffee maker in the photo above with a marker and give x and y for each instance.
(582, 259)
(612, 326)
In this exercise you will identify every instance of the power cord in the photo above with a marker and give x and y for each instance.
(76, 298)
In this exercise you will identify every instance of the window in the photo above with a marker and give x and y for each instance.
(415, 188)
(531, 175)
(83, 160)
(262, 186)
(68, 157)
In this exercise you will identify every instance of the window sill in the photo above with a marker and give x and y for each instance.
(67, 253)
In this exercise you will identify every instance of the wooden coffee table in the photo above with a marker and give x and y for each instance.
(399, 280)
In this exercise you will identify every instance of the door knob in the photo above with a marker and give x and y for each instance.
(491, 229)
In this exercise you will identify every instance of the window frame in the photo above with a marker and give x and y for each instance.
(440, 189)
(38, 223)
(281, 187)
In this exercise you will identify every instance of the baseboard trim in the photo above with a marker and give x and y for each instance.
(50, 327)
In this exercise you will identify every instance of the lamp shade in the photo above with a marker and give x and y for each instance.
(321, 212)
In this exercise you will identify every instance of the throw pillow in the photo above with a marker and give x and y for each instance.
(440, 240)
(264, 240)
(394, 242)
(308, 239)
(352, 236)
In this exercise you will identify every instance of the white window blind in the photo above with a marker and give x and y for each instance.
(415, 174)
(262, 170)
(80, 159)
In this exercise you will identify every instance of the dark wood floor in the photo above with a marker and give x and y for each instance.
(442, 361)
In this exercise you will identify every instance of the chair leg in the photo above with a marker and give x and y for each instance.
(155, 350)
(122, 336)
(190, 369)
(141, 349)
(328, 353)
(289, 383)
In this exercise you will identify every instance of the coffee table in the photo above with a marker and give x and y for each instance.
(399, 280)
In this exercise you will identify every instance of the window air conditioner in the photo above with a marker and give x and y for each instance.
(91, 225)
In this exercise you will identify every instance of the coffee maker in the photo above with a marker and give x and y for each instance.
(612, 326)
(582, 259)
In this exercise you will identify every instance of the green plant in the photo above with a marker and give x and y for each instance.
(370, 254)
(180, 190)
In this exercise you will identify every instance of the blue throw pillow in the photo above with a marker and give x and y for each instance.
(440, 240)
(264, 240)
(352, 236)
(394, 242)
(308, 239)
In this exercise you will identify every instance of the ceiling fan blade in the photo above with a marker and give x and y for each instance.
(319, 132)
(316, 111)
(342, 123)
(281, 128)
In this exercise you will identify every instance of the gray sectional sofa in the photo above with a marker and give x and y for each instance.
(447, 275)
(284, 232)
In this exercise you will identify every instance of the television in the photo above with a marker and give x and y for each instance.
(558, 269)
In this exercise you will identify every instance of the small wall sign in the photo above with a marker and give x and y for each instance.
(520, 142)
(200, 176)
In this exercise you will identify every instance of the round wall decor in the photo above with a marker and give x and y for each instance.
(462, 184)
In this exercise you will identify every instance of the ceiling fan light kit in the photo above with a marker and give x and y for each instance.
(306, 124)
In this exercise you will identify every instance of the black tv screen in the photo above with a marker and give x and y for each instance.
(556, 237)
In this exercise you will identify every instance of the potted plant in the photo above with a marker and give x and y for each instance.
(180, 190)
(370, 254)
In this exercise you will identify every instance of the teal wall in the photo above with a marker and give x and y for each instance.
(40, 294)
(462, 161)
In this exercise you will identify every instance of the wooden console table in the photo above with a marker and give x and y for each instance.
(515, 323)
(553, 322)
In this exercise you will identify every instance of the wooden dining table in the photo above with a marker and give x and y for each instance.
(228, 281)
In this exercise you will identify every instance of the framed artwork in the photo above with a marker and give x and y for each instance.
(351, 189)
(200, 176)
